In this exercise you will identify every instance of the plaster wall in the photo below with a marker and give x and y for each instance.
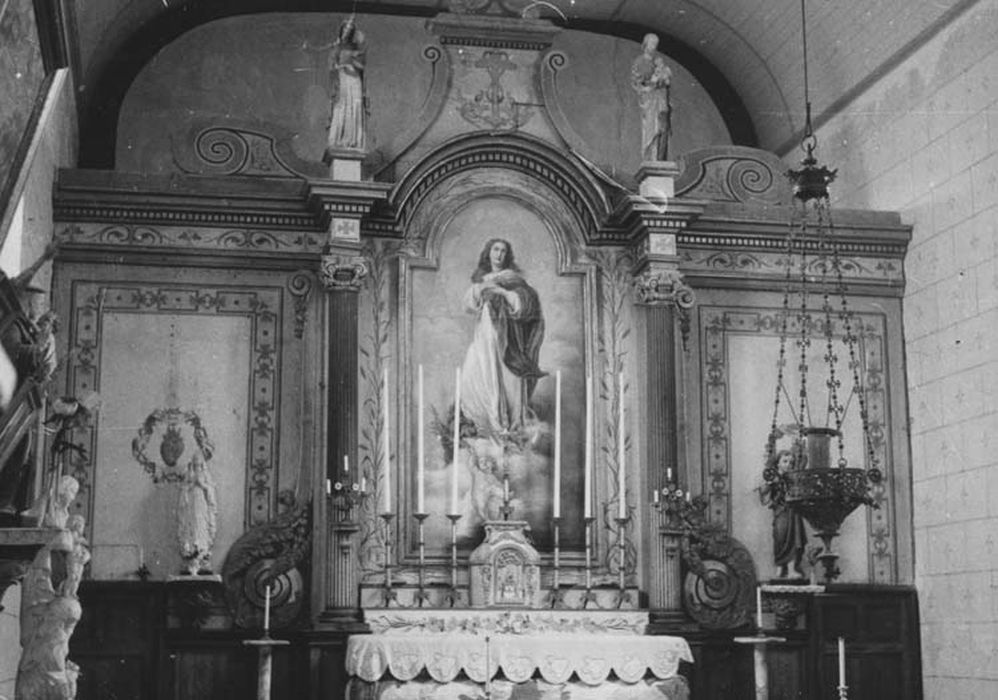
(924, 141)
(271, 70)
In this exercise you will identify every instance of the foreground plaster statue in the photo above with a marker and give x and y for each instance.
(197, 513)
(346, 67)
(50, 609)
(652, 81)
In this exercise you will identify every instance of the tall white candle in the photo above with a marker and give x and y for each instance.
(587, 491)
(266, 610)
(387, 485)
(758, 607)
(346, 468)
(457, 441)
(842, 662)
(329, 486)
(421, 457)
(622, 470)
(557, 444)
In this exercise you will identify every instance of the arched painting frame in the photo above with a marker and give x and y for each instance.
(444, 239)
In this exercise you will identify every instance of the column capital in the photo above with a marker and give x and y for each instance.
(657, 285)
(343, 270)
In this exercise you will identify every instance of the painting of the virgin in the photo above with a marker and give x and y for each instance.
(496, 308)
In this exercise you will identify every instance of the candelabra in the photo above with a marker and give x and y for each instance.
(344, 498)
(421, 595)
(677, 508)
(452, 594)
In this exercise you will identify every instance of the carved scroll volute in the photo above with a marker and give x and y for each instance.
(300, 285)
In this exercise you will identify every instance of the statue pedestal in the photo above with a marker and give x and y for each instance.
(657, 179)
(344, 164)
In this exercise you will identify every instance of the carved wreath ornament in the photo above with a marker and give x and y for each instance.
(171, 446)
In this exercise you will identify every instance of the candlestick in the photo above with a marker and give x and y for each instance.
(556, 596)
(668, 475)
(420, 456)
(389, 592)
(363, 484)
(621, 471)
(654, 497)
(329, 487)
(264, 663)
(557, 444)
(421, 596)
(386, 437)
(266, 611)
(452, 594)
(758, 607)
(842, 662)
(346, 467)
(488, 668)
(587, 494)
(759, 643)
(622, 595)
(457, 440)
(590, 594)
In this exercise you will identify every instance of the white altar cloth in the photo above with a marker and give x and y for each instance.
(554, 656)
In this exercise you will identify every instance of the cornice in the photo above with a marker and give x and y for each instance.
(272, 204)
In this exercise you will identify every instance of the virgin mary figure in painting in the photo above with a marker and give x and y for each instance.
(500, 367)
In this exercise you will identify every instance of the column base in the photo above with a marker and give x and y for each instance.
(347, 620)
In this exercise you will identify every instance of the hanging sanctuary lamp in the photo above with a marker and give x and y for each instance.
(806, 481)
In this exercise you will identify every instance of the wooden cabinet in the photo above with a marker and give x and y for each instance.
(116, 643)
(882, 636)
(125, 652)
(879, 624)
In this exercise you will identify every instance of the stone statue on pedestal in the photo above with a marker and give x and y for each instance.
(346, 69)
(652, 81)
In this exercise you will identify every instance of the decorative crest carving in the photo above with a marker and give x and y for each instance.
(492, 107)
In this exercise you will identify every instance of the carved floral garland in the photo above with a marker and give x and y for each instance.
(171, 417)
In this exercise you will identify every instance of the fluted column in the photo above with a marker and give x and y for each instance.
(343, 204)
(663, 301)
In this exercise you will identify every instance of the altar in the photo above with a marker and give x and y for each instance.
(514, 654)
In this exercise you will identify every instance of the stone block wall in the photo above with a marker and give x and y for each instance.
(924, 140)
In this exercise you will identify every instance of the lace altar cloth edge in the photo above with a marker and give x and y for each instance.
(555, 657)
